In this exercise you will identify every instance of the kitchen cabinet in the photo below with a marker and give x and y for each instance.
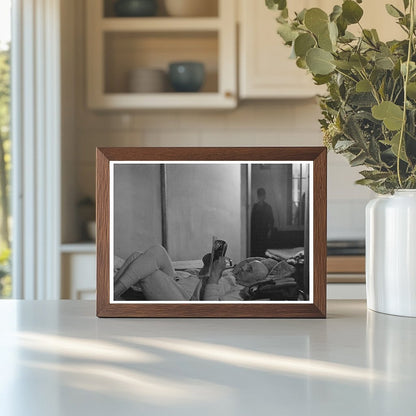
(265, 69)
(78, 264)
(118, 45)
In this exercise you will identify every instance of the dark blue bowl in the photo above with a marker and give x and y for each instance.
(135, 8)
(186, 76)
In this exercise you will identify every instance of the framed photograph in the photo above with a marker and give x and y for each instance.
(211, 232)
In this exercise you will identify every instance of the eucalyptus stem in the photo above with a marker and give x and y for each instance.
(406, 80)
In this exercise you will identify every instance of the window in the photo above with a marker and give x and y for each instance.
(5, 147)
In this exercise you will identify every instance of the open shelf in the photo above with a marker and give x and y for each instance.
(119, 45)
(167, 100)
(160, 24)
(127, 51)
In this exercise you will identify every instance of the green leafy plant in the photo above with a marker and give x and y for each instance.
(5, 269)
(369, 112)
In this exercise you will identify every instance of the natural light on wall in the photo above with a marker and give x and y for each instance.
(5, 147)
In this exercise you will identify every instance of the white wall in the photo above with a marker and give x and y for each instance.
(137, 208)
(203, 201)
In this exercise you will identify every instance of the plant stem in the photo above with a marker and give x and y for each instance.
(406, 80)
(373, 88)
(346, 75)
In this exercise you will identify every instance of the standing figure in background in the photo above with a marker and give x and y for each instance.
(262, 222)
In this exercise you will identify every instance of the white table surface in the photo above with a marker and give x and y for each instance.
(57, 358)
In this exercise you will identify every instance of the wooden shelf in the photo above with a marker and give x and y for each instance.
(160, 24)
(87, 247)
(197, 100)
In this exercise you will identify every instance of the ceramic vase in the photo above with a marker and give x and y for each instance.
(391, 253)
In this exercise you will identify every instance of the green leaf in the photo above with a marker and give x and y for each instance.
(333, 32)
(303, 43)
(384, 62)
(363, 86)
(301, 63)
(388, 112)
(368, 36)
(382, 89)
(393, 11)
(406, 4)
(354, 132)
(351, 11)
(374, 174)
(336, 12)
(319, 61)
(412, 67)
(347, 37)
(282, 20)
(411, 90)
(325, 42)
(343, 145)
(321, 79)
(276, 4)
(365, 182)
(374, 150)
(358, 61)
(394, 144)
(358, 160)
(342, 25)
(362, 99)
(301, 15)
(316, 20)
(375, 35)
(287, 33)
(344, 65)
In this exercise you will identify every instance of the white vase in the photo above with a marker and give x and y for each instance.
(391, 253)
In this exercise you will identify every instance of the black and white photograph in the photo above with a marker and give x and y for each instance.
(210, 232)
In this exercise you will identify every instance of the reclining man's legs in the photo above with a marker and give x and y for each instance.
(154, 271)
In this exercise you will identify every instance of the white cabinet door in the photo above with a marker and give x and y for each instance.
(78, 276)
(265, 68)
(266, 71)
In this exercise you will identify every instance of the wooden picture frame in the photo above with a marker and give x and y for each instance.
(262, 162)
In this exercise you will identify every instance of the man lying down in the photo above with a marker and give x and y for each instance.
(153, 273)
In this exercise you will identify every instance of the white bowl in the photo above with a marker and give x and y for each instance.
(191, 8)
(147, 80)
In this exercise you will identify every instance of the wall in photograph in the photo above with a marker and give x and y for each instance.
(202, 201)
(137, 208)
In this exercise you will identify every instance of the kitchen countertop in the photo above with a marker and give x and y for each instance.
(57, 358)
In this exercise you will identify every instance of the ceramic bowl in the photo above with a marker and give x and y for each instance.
(191, 8)
(186, 76)
(147, 80)
(135, 8)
